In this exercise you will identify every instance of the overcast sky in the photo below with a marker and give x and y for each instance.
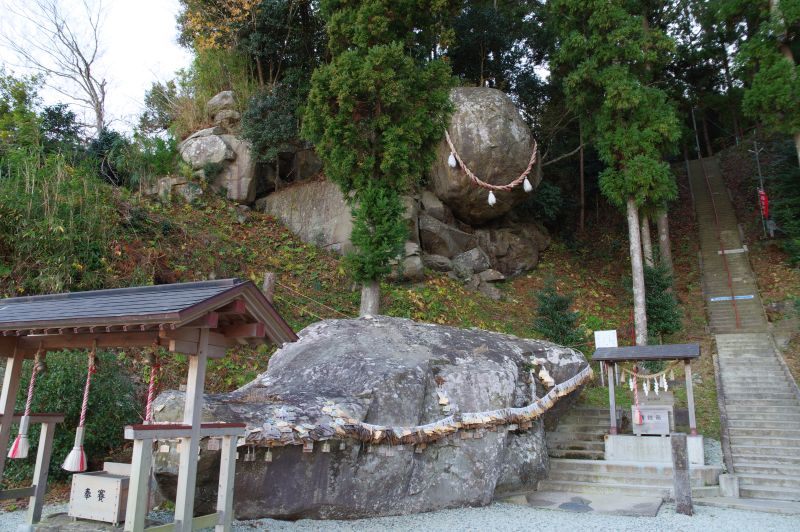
(140, 46)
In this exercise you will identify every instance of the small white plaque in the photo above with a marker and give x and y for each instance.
(605, 339)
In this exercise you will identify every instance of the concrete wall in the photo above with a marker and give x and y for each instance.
(627, 448)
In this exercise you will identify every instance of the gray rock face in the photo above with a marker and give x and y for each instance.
(514, 246)
(495, 143)
(438, 238)
(204, 147)
(237, 178)
(316, 212)
(473, 261)
(224, 101)
(390, 373)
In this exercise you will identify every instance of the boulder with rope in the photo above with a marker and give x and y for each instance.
(487, 145)
(384, 416)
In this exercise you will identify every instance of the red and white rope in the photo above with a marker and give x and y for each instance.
(85, 405)
(32, 384)
(488, 186)
(151, 388)
(638, 416)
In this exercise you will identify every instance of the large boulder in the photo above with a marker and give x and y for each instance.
(315, 211)
(495, 143)
(238, 176)
(205, 147)
(223, 101)
(335, 424)
(513, 246)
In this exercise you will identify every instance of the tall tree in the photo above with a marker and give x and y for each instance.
(773, 97)
(66, 51)
(607, 54)
(375, 113)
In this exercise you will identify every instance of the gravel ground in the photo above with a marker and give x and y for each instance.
(712, 449)
(504, 517)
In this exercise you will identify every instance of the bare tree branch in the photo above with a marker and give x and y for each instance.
(564, 156)
(53, 46)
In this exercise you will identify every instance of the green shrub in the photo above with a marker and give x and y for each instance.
(57, 222)
(663, 313)
(545, 203)
(112, 405)
(555, 321)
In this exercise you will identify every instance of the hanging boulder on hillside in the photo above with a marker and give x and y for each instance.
(495, 143)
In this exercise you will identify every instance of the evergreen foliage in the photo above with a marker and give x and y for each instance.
(555, 321)
(606, 55)
(663, 312)
(773, 96)
(376, 111)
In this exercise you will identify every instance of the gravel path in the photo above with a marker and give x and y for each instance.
(510, 517)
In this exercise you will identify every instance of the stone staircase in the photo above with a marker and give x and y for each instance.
(763, 410)
(625, 478)
(761, 398)
(716, 284)
(580, 434)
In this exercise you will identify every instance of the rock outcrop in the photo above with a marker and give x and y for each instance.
(315, 415)
(219, 147)
(495, 143)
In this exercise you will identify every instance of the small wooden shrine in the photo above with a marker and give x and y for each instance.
(201, 319)
(637, 447)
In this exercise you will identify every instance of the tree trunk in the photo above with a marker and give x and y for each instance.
(706, 137)
(797, 145)
(637, 271)
(647, 243)
(664, 246)
(583, 179)
(370, 299)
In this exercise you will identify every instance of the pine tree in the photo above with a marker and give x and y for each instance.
(606, 55)
(663, 313)
(375, 114)
(554, 320)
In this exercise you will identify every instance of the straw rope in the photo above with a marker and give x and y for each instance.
(271, 435)
(488, 186)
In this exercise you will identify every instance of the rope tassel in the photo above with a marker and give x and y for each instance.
(21, 445)
(76, 459)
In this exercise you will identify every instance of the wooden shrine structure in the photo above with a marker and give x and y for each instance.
(200, 319)
(613, 355)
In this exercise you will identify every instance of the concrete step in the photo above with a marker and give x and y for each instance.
(774, 432)
(707, 474)
(774, 453)
(756, 458)
(576, 445)
(568, 436)
(767, 480)
(766, 469)
(613, 479)
(732, 395)
(576, 454)
(792, 444)
(763, 411)
(760, 423)
(759, 492)
(635, 490)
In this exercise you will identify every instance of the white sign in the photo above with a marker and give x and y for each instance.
(605, 339)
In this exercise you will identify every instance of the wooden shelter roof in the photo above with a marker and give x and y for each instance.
(647, 352)
(232, 308)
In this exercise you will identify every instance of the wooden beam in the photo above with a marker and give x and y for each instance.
(190, 348)
(193, 335)
(612, 401)
(237, 306)
(208, 321)
(245, 330)
(8, 397)
(57, 342)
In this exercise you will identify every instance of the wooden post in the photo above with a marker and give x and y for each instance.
(8, 398)
(680, 471)
(138, 493)
(687, 367)
(189, 447)
(612, 400)
(227, 468)
(45, 449)
(269, 286)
